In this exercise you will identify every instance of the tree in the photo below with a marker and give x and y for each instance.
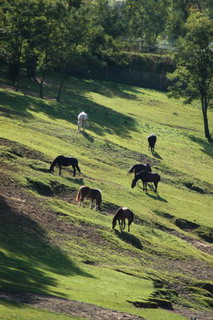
(193, 77)
(12, 40)
(74, 32)
(146, 19)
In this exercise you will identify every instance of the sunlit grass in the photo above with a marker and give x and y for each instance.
(121, 117)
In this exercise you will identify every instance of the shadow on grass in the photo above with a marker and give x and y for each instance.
(102, 119)
(129, 238)
(206, 147)
(26, 255)
(79, 181)
(156, 155)
(87, 136)
(156, 196)
(39, 169)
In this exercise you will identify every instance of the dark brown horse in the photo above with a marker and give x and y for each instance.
(121, 215)
(136, 168)
(65, 161)
(147, 177)
(88, 193)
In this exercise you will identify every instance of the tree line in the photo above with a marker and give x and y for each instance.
(40, 36)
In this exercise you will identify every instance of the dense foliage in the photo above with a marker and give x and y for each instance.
(87, 37)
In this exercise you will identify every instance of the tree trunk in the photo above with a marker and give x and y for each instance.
(41, 84)
(60, 88)
(31, 67)
(205, 119)
(14, 69)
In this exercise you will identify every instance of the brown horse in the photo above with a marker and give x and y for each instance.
(120, 216)
(147, 177)
(88, 193)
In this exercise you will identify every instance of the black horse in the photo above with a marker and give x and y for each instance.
(65, 161)
(140, 167)
(146, 176)
(152, 141)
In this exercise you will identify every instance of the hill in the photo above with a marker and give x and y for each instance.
(67, 259)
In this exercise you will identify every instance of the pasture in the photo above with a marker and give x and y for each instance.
(160, 270)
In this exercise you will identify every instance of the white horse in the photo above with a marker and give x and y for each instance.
(82, 121)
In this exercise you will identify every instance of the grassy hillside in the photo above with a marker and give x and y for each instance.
(162, 269)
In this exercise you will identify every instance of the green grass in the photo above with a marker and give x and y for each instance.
(121, 117)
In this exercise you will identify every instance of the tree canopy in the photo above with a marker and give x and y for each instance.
(193, 77)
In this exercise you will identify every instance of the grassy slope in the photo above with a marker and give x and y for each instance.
(10, 311)
(120, 119)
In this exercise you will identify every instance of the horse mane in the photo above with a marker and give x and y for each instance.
(116, 214)
(53, 164)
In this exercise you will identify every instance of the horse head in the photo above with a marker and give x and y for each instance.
(113, 223)
(133, 183)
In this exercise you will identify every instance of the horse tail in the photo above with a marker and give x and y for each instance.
(131, 169)
(78, 195)
(131, 217)
(53, 164)
(100, 198)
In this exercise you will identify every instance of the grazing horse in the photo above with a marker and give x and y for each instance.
(152, 140)
(140, 167)
(147, 177)
(82, 121)
(121, 214)
(88, 193)
(65, 161)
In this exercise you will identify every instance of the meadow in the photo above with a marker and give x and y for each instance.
(162, 269)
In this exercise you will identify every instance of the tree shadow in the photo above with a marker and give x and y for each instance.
(129, 238)
(206, 147)
(27, 256)
(102, 119)
(106, 88)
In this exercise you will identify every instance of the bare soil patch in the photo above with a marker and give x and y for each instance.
(75, 308)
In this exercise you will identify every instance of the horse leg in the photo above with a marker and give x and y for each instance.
(128, 226)
(120, 225)
(59, 169)
(91, 203)
(82, 201)
(143, 185)
(74, 171)
(156, 186)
